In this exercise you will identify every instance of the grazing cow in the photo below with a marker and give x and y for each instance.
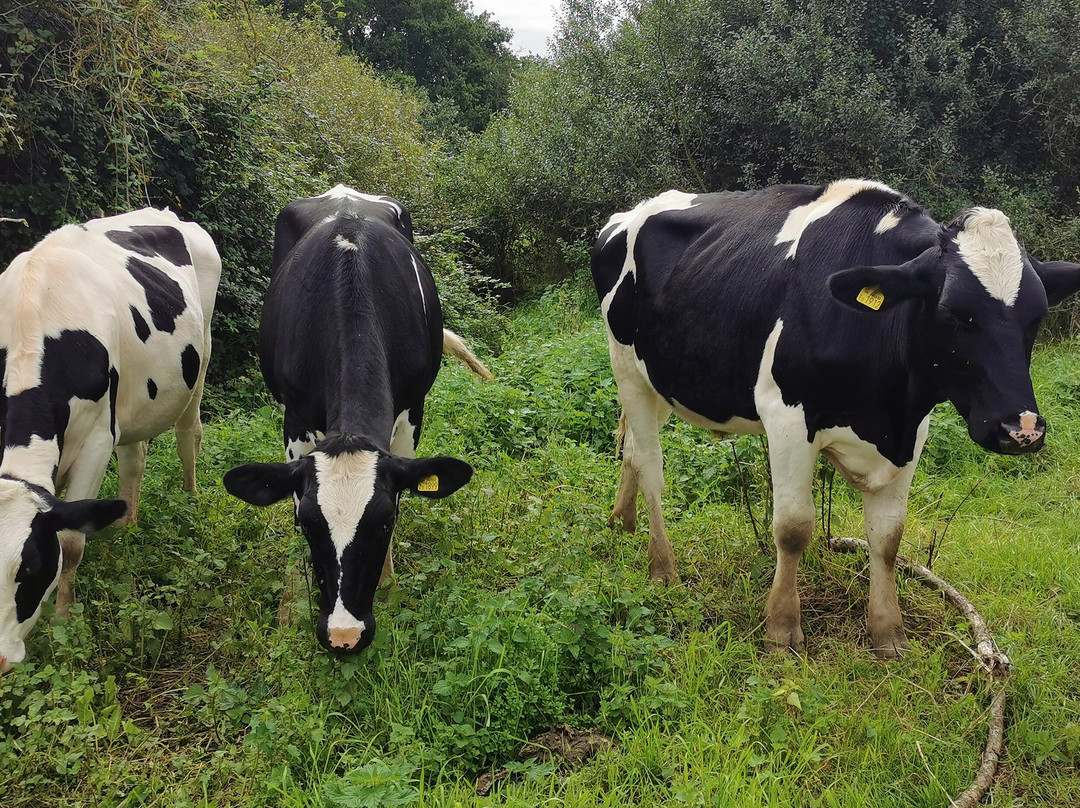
(104, 341)
(831, 319)
(350, 342)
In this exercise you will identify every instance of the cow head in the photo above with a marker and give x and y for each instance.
(346, 497)
(983, 299)
(31, 556)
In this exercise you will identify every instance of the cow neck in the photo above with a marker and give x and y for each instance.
(363, 404)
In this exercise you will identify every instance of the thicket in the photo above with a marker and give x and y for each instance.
(953, 102)
(225, 111)
(459, 60)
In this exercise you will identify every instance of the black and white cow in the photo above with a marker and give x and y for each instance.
(351, 338)
(104, 341)
(831, 319)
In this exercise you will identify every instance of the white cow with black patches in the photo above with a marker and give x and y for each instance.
(104, 343)
(831, 319)
(350, 343)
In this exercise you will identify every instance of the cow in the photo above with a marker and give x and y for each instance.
(831, 319)
(104, 343)
(350, 343)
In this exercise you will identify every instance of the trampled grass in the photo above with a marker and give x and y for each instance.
(516, 609)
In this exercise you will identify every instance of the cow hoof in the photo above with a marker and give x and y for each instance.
(889, 643)
(784, 639)
(663, 573)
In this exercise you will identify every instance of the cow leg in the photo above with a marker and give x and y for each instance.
(84, 482)
(885, 511)
(131, 463)
(791, 463)
(625, 509)
(189, 432)
(403, 441)
(645, 411)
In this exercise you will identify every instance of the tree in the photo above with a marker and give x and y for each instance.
(459, 57)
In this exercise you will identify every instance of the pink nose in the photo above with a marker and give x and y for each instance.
(345, 638)
(1032, 427)
(3, 663)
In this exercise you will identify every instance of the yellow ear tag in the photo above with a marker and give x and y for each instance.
(428, 484)
(871, 297)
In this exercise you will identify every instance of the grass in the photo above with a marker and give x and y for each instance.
(516, 609)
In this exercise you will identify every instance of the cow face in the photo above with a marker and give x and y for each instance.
(346, 500)
(983, 302)
(31, 556)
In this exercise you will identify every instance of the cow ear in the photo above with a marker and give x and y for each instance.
(433, 477)
(264, 484)
(1060, 279)
(880, 288)
(87, 515)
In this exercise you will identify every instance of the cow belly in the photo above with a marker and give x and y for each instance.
(733, 426)
(158, 378)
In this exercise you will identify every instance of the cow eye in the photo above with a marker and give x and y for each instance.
(958, 319)
(25, 573)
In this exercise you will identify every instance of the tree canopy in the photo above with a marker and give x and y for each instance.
(459, 57)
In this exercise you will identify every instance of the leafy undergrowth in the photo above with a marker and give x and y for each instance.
(517, 609)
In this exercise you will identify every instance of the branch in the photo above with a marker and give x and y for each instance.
(986, 652)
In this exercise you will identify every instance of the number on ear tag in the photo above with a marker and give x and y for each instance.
(871, 297)
(428, 484)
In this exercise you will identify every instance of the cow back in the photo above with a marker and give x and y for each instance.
(352, 327)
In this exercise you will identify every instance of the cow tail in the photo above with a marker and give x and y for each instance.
(455, 346)
(620, 434)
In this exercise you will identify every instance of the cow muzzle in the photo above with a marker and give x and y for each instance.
(350, 639)
(1023, 435)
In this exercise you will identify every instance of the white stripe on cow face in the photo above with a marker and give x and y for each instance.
(988, 246)
(346, 484)
(833, 197)
(632, 221)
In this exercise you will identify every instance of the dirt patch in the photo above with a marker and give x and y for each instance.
(567, 747)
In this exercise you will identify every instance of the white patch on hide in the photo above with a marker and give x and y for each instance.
(344, 244)
(833, 197)
(403, 437)
(632, 221)
(420, 285)
(887, 223)
(18, 507)
(858, 460)
(340, 191)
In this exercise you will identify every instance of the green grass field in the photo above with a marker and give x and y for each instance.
(517, 609)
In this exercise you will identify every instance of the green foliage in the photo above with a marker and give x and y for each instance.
(516, 609)
(223, 112)
(461, 58)
(941, 99)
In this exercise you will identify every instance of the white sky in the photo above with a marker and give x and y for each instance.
(532, 21)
